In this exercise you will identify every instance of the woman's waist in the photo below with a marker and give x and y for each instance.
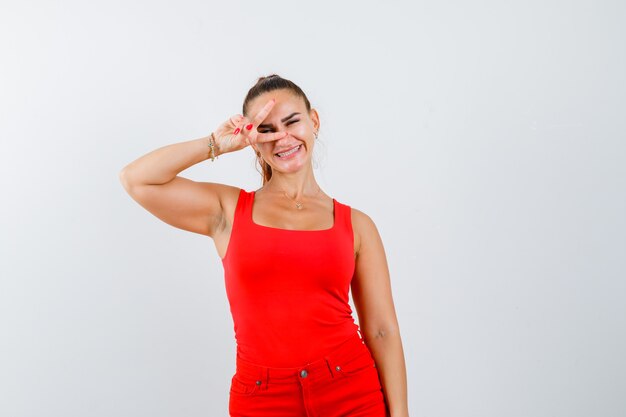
(345, 349)
(294, 347)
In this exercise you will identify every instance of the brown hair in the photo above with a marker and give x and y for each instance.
(263, 85)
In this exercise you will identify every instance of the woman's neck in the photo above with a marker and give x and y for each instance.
(295, 185)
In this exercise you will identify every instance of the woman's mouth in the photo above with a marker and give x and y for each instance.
(288, 153)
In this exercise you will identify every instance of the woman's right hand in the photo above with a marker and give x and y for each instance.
(238, 131)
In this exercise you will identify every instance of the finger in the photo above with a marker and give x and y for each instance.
(248, 130)
(268, 137)
(235, 119)
(262, 114)
(236, 132)
(237, 127)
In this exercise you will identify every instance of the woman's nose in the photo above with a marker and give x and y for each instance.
(284, 138)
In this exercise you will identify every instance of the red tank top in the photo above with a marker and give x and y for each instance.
(288, 289)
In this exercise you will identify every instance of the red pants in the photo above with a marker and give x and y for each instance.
(344, 382)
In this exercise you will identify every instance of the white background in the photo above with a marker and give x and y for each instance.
(485, 138)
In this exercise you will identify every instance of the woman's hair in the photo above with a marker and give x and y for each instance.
(264, 85)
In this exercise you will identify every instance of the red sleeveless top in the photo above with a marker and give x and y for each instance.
(288, 289)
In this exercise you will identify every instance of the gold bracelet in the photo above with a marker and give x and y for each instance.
(212, 147)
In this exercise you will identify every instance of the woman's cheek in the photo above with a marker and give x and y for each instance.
(298, 131)
(264, 148)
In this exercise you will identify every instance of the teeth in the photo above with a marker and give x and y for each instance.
(289, 152)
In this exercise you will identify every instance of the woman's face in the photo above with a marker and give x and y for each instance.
(289, 114)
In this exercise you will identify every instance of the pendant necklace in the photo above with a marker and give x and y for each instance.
(299, 203)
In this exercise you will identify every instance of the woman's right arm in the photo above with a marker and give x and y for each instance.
(152, 180)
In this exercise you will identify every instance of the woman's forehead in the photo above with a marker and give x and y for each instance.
(285, 100)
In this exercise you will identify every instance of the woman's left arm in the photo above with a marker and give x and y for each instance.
(371, 293)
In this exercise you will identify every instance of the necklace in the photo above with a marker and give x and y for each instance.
(299, 203)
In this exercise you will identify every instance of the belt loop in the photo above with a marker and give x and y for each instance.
(330, 367)
(264, 376)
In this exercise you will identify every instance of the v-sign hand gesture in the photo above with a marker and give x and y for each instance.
(238, 132)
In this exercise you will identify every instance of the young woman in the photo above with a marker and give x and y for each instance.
(290, 253)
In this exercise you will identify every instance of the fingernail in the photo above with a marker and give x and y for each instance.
(236, 131)
(249, 127)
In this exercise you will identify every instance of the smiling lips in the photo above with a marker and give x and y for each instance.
(289, 152)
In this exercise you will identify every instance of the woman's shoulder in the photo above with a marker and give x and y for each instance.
(363, 227)
(232, 195)
(360, 220)
(358, 217)
(227, 193)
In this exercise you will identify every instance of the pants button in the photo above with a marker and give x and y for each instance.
(338, 368)
(303, 373)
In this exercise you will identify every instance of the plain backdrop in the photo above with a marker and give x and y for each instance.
(486, 139)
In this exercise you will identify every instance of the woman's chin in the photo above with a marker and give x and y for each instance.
(288, 168)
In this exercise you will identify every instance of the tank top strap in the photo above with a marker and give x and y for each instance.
(343, 216)
(244, 206)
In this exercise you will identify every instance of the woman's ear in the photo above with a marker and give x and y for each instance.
(315, 118)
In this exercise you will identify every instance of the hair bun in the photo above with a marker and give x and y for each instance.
(267, 77)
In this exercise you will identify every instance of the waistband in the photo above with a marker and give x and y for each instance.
(349, 349)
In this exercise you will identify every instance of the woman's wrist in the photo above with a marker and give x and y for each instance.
(212, 145)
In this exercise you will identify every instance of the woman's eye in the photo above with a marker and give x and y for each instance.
(270, 130)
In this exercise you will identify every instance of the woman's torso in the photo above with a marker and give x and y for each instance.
(288, 289)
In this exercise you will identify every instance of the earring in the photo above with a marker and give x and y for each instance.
(315, 133)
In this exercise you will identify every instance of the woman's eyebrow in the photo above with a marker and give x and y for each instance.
(282, 120)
